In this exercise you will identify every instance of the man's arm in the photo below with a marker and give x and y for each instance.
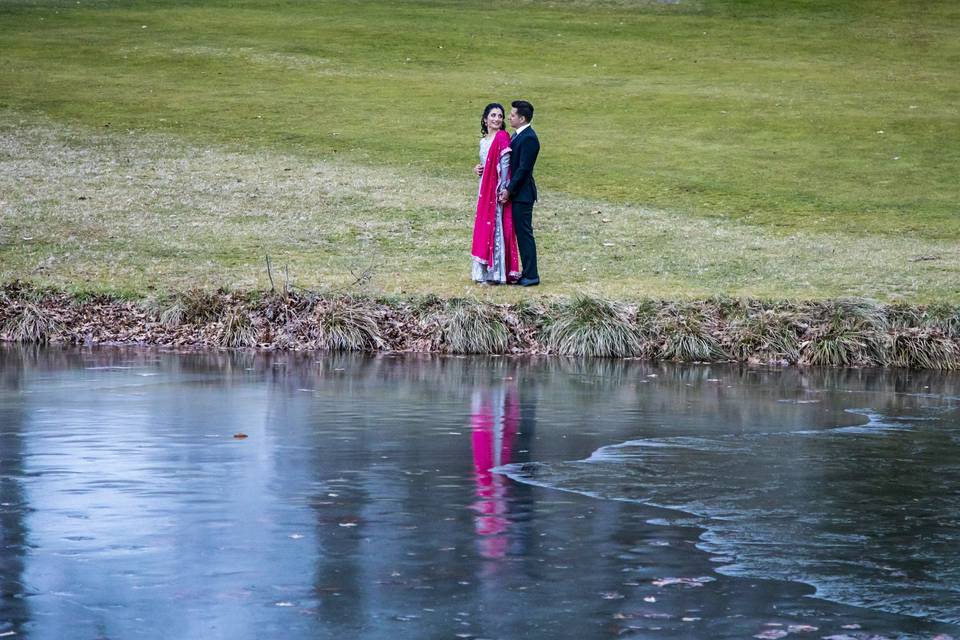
(528, 152)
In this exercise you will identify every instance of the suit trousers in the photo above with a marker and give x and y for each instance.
(527, 246)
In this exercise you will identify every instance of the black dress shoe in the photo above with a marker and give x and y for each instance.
(528, 282)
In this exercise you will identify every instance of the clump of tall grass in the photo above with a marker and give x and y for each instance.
(193, 306)
(470, 326)
(588, 326)
(945, 318)
(855, 312)
(846, 333)
(6, 304)
(19, 290)
(646, 318)
(29, 322)
(685, 335)
(343, 324)
(173, 314)
(766, 335)
(237, 329)
(917, 348)
(905, 316)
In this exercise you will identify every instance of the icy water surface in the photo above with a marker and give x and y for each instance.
(160, 495)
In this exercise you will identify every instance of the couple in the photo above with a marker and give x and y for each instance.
(503, 229)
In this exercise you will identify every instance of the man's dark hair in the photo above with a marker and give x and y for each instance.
(524, 109)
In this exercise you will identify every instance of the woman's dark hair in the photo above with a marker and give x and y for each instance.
(486, 111)
(524, 109)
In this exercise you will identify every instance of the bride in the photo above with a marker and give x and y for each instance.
(495, 256)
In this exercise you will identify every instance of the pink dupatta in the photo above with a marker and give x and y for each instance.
(484, 227)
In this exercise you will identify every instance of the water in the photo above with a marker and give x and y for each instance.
(413, 497)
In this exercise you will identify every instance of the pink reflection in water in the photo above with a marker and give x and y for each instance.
(494, 416)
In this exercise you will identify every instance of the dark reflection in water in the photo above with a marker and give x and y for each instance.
(13, 507)
(364, 502)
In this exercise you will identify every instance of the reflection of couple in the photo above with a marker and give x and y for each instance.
(503, 228)
(494, 416)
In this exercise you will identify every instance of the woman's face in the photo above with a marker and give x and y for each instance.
(495, 120)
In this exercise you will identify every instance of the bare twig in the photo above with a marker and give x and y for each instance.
(269, 273)
(363, 276)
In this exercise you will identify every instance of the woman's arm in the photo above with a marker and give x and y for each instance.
(503, 170)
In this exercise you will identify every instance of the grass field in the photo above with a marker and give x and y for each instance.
(778, 149)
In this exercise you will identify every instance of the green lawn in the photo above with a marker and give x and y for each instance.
(805, 148)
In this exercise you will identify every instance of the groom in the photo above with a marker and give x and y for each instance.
(522, 190)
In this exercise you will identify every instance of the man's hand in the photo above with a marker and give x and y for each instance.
(478, 170)
(504, 196)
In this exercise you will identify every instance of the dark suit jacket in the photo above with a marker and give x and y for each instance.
(524, 149)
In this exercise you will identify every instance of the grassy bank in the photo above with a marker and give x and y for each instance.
(127, 213)
(773, 150)
(825, 115)
(849, 332)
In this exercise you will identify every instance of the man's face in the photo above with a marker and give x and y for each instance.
(516, 121)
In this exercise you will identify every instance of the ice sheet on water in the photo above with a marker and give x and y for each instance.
(868, 514)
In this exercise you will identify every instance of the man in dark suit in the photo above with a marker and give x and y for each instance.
(522, 189)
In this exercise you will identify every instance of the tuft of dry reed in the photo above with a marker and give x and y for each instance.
(588, 326)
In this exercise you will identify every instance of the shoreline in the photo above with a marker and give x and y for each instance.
(847, 332)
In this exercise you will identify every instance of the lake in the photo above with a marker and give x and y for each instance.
(150, 494)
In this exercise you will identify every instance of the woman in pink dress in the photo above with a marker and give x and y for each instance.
(495, 256)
